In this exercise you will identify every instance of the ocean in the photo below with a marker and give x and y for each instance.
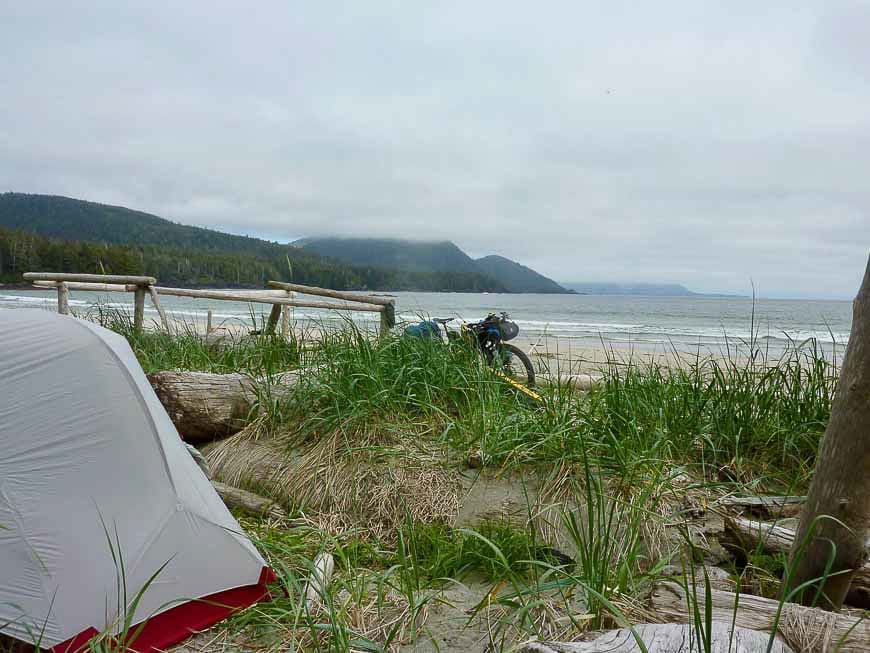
(686, 323)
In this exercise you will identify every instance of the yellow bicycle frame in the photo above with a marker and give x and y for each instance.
(465, 331)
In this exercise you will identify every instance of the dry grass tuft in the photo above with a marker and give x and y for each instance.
(342, 482)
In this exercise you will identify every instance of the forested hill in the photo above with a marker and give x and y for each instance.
(22, 251)
(431, 256)
(72, 219)
(59, 234)
(517, 277)
(393, 253)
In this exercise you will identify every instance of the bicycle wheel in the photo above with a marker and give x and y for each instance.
(516, 364)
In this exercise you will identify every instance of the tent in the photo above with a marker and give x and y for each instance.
(96, 486)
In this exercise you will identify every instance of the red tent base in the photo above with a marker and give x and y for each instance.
(177, 624)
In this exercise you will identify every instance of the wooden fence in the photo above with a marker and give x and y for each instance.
(282, 297)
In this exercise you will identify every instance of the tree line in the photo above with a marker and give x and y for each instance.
(22, 251)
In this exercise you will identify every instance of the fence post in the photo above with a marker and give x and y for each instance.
(62, 298)
(139, 308)
(155, 299)
(274, 314)
(285, 322)
(388, 318)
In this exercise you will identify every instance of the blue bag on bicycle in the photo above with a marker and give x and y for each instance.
(427, 330)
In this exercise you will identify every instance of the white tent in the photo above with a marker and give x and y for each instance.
(86, 448)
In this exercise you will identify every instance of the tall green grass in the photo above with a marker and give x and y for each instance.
(731, 420)
(734, 419)
(756, 419)
(256, 354)
(355, 380)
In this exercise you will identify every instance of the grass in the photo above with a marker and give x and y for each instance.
(372, 417)
(733, 419)
(730, 421)
(441, 553)
(255, 355)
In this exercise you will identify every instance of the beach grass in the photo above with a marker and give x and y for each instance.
(756, 419)
(186, 348)
(618, 469)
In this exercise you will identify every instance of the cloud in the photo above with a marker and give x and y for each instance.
(704, 143)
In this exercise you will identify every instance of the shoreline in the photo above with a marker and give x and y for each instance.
(551, 354)
(566, 344)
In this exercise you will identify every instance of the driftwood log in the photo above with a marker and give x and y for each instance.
(666, 638)
(774, 507)
(804, 629)
(205, 406)
(772, 537)
(235, 497)
(318, 582)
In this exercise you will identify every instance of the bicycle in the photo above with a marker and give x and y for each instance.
(488, 336)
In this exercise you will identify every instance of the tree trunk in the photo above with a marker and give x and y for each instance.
(841, 483)
(748, 534)
(205, 406)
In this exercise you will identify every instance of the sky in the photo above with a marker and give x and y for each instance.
(715, 144)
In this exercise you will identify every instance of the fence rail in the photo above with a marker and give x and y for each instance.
(280, 295)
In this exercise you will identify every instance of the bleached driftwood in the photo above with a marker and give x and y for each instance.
(90, 278)
(779, 539)
(81, 285)
(259, 298)
(804, 629)
(387, 305)
(762, 501)
(765, 506)
(235, 497)
(255, 504)
(751, 532)
(205, 406)
(139, 308)
(62, 298)
(155, 299)
(666, 638)
(332, 294)
(318, 582)
(285, 322)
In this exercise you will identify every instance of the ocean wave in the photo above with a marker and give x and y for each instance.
(39, 301)
(618, 330)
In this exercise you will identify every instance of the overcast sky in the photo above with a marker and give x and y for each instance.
(696, 142)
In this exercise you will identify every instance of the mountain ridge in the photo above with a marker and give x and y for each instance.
(431, 255)
(519, 277)
(398, 253)
(72, 235)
